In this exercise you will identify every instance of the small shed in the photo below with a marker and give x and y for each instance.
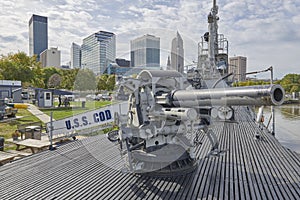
(44, 97)
(11, 89)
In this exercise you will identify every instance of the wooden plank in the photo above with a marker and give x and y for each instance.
(6, 157)
(250, 192)
(202, 171)
(286, 167)
(19, 153)
(33, 143)
(219, 181)
(259, 165)
(271, 171)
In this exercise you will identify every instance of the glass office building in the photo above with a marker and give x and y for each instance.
(75, 56)
(145, 52)
(38, 35)
(98, 51)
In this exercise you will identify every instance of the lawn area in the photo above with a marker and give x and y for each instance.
(8, 127)
(63, 112)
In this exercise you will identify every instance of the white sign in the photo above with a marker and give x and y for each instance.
(99, 117)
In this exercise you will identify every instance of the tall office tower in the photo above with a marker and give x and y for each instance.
(177, 54)
(75, 56)
(50, 57)
(98, 51)
(38, 35)
(238, 66)
(145, 51)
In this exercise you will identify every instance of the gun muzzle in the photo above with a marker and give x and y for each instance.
(235, 96)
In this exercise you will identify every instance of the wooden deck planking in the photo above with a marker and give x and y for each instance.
(249, 169)
(260, 167)
(272, 159)
(260, 149)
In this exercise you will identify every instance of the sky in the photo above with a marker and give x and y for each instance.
(267, 32)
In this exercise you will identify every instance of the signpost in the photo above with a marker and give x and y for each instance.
(100, 117)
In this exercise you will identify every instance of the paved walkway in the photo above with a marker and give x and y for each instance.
(39, 114)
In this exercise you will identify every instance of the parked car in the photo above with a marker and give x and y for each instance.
(106, 97)
(92, 97)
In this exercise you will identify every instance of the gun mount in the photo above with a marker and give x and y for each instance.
(164, 114)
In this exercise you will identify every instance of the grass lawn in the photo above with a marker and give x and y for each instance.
(63, 112)
(8, 127)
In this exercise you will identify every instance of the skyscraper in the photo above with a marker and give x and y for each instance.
(38, 35)
(238, 66)
(177, 54)
(145, 51)
(75, 56)
(98, 51)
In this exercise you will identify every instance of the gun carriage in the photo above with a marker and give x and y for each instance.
(165, 112)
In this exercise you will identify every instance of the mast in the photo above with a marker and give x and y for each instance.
(213, 34)
(213, 49)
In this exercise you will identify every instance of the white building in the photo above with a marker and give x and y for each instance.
(75, 56)
(50, 57)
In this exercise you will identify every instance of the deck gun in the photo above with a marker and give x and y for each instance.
(164, 113)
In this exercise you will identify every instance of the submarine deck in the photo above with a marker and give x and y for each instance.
(247, 168)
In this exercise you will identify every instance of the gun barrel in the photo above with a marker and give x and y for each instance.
(252, 95)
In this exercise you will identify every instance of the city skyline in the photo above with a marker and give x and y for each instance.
(265, 32)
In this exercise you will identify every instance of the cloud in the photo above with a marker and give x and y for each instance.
(265, 31)
(8, 39)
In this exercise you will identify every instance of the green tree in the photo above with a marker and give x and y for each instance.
(85, 80)
(48, 72)
(111, 82)
(20, 67)
(54, 81)
(68, 78)
(294, 88)
(38, 80)
(290, 83)
(102, 82)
